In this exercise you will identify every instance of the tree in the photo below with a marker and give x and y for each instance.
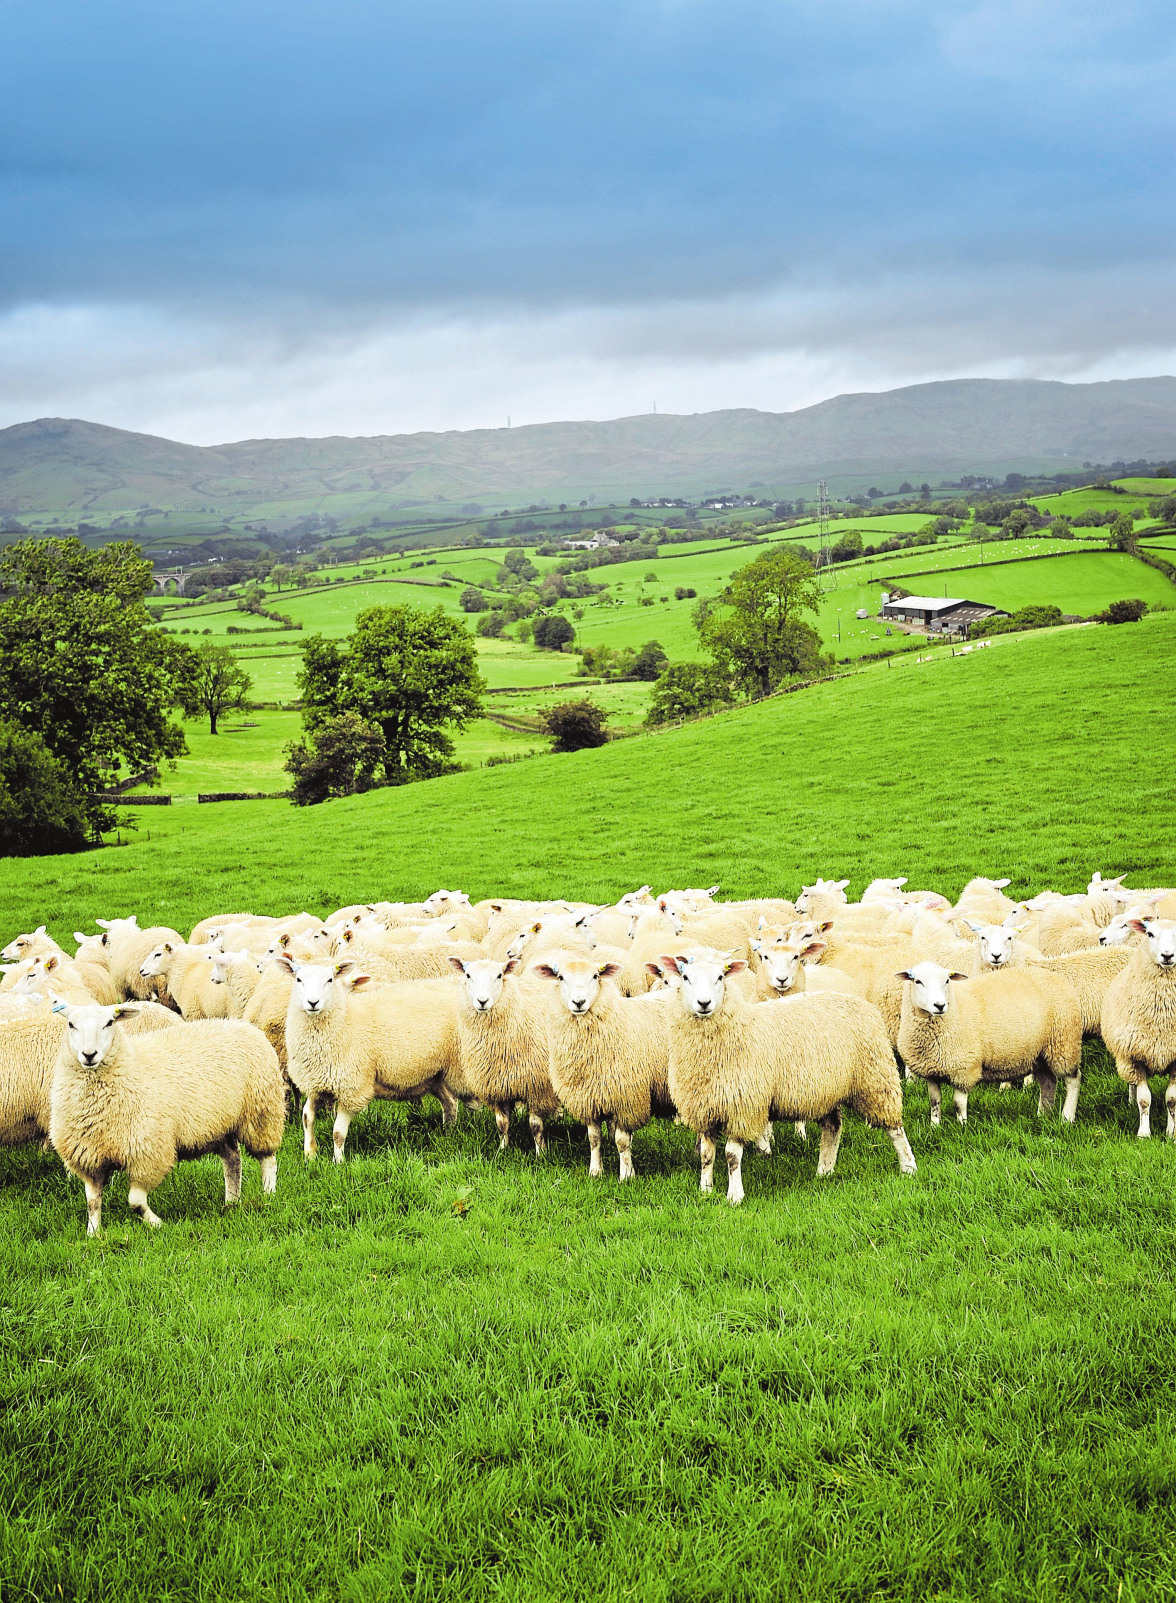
(649, 662)
(490, 625)
(412, 673)
(216, 683)
(685, 690)
(518, 563)
(281, 573)
(1122, 532)
(41, 807)
(754, 633)
(84, 666)
(1123, 612)
(339, 758)
(575, 726)
(472, 600)
(553, 632)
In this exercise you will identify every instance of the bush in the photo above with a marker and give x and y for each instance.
(650, 662)
(575, 726)
(1036, 617)
(341, 761)
(41, 807)
(685, 593)
(1122, 612)
(553, 632)
(490, 625)
(685, 690)
(472, 600)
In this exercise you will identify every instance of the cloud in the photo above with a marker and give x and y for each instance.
(223, 219)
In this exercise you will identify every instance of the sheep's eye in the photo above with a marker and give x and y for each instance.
(73, 1026)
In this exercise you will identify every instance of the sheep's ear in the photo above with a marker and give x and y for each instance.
(511, 966)
(822, 928)
(756, 946)
(51, 962)
(975, 928)
(1017, 929)
(284, 940)
(40, 930)
(547, 971)
(535, 927)
(104, 923)
(1139, 925)
(347, 937)
(811, 947)
(357, 980)
(963, 976)
(713, 890)
(655, 970)
(80, 938)
(904, 974)
(663, 905)
(125, 1010)
(286, 964)
(840, 884)
(735, 966)
(457, 965)
(496, 907)
(345, 967)
(673, 962)
(607, 970)
(999, 884)
(761, 923)
(899, 883)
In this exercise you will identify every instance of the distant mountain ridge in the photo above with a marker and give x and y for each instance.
(67, 466)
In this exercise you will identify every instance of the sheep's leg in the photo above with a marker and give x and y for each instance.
(536, 1123)
(830, 1141)
(448, 1106)
(1027, 1083)
(624, 1141)
(94, 1202)
(734, 1172)
(1143, 1101)
(801, 1129)
(269, 1174)
(764, 1144)
(595, 1168)
(137, 1202)
(706, 1148)
(339, 1133)
(1070, 1105)
(309, 1109)
(230, 1156)
(1047, 1085)
(906, 1158)
(1005, 1085)
(961, 1105)
(1170, 1102)
(502, 1120)
(933, 1092)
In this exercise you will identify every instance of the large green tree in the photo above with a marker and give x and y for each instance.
(42, 808)
(413, 674)
(754, 632)
(84, 665)
(215, 683)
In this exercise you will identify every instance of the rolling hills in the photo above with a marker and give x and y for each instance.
(66, 467)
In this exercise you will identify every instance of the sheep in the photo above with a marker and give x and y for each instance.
(1138, 1021)
(783, 971)
(343, 1041)
(504, 1055)
(186, 972)
(52, 972)
(735, 1065)
(240, 976)
(983, 899)
(1001, 1026)
(1089, 974)
(1122, 930)
(129, 947)
(823, 899)
(22, 946)
(607, 1054)
(395, 965)
(91, 958)
(143, 1104)
(29, 1043)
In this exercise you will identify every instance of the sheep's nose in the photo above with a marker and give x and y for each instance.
(938, 1007)
(89, 1056)
(482, 1004)
(578, 1005)
(704, 1007)
(312, 1007)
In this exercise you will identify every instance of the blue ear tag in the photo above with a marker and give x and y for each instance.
(60, 1007)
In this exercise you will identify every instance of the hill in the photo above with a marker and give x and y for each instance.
(62, 467)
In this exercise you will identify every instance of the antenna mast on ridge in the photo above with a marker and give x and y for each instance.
(823, 525)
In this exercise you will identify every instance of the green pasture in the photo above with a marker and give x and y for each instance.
(438, 1371)
(1163, 542)
(1080, 584)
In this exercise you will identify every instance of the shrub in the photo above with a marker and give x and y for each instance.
(575, 726)
(490, 625)
(650, 662)
(553, 632)
(1035, 617)
(685, 690)
(472, 600)
(1123, 612)
(42, 808)
(685, 593)
(344, 753)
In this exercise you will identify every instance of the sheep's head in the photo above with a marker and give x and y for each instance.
(1107, 886)
(20, 946)
(158, 961)
(703, 980)
(578, 979)
(1127, 925)
(115, 927)
(882, 889)
(929, 986)
(830, 889)
(635, 899)
(37, 975)
(781, 961)
(997, 942)
(484, 979)
(317, 986)
(1161, 939)
(89, 1030)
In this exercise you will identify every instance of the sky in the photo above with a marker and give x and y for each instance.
(291, 217)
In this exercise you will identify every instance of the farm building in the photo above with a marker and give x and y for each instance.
(949, 614)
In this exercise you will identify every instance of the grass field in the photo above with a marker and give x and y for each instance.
(1080, 584)
(439, 1372)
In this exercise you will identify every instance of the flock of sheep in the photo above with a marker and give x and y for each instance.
(143, 1048)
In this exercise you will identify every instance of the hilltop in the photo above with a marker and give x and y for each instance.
(69, 467)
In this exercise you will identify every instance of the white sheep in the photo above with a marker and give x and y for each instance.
(608, 1055)
(186, 974)
(29, 945)
(503, 1045)
(93, 962)
(823, 899)
(352, 1043)
(1001, 1026)
(144, 1103)
(736, 1065)
(1139, 1018)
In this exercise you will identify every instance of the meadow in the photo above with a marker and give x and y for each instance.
(442, 1371)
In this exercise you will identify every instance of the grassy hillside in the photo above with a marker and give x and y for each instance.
(439, 1371)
